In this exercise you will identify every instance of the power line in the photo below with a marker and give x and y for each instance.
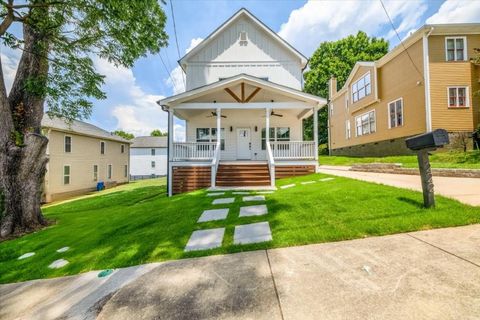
(169, 74)
(400, 39)
(176, 38)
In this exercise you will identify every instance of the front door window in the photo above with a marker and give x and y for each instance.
(243, 144)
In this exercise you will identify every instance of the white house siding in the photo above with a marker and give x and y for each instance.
(261, 56)
(141, 162)
(245, 119)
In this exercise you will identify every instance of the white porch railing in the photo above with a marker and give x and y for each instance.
(193, 150)
(293, 150)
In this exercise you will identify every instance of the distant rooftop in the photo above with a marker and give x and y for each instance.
(150, 142)
(79, 127)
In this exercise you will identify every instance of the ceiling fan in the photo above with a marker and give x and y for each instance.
(273, 113)
(214, 114)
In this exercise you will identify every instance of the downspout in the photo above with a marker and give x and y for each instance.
(426, 76)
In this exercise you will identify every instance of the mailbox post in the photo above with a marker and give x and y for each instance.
(423, 144)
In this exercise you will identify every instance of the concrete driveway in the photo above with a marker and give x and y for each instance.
(466, 190)
(421, 275)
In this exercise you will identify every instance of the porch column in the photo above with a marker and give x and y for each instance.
(170, 151)
(213, 176)
(267, 125)
(315, 131)
(271, 166)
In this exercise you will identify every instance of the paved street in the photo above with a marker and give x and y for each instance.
(466, 190)
(421, 275)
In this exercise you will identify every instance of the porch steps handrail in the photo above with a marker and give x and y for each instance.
(194, 150)
(271, 164)
(293, 150)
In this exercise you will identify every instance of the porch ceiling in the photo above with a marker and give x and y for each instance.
(187, 114)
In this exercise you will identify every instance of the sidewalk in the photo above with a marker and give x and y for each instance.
(466, 190)
(421, 275)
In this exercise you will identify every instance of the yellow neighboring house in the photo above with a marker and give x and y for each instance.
(80, 156)
(424, 84)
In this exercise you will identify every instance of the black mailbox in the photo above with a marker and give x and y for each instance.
(430, 140)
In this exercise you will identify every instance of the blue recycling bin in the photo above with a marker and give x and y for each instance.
(100, 186)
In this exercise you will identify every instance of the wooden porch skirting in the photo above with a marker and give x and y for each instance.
(293, 170)
(185, 179)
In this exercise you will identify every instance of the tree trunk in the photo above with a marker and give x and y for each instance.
(22, 147)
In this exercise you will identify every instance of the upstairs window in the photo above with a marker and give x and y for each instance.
(365, 123)
(68, 144)
(361, 88)
(458, 97)
(456, 48)
(395, 113)
(122, 148)
(152, 152)
(102, 147)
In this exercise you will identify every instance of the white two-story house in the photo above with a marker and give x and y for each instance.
(244, 110)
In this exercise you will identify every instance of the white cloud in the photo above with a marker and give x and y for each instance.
(137, 111)
(177, 76)
(319, 21)
(179, 133)
(457, 12)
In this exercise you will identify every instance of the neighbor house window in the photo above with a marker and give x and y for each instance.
(456, 48)
(95, 172)
(365, 123)
(109, 171)
(125, 172)
(122, 148)
(152, 152)
(66, 174)
(276, 134)
(348, 133)
(346, 101)
(395, 113)
(68, 144)
(361, 88)
(210, 135)
(153, 164)
(102, 147)
(458, 97)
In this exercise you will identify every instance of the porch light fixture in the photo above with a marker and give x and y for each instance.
(231, 128)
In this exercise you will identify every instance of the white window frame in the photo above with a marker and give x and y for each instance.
(465, 51)
(95, 173)
(65, 175)
(348, 130)
(467, 97)
(388, 114)
(374, 123)
(153, 164)
(104, 147)
(65, 144)
(359, 79)
(109, 171)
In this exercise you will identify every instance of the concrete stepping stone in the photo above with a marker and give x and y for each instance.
(215, 194)
(212, 215)
(26, 255)
(58, 264)
(257, 210)
(205, 239)
(287, 186)
(64, 249)
(326, 179)
(264, 192)
(254, 198)
(307, 182)
(223, 201)
(241, 192)
(252, 233)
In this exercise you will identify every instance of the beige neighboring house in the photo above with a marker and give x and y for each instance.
(405, 94)
(81, 155)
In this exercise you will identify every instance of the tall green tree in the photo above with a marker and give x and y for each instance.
(123, 134)
(59, 38)
(158, 133)
(337, 58)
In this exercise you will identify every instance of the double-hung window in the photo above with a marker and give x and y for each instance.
(456, 48)
(210, 135)
(152, 164)
(95, 172)
(348, 133)
(125, 172)
(276, 134)
(122, 148)
(395, 113)
(458, 97)
(361, 88)
(68, 144)
(102, 147)
(152, 152)
(109, 171)
(365, 123)
(66, 174)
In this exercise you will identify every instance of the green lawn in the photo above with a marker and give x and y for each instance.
(462, 160)
(137, 223)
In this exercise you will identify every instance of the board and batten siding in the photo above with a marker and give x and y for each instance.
(261, 56)
(85, 153)
(244, 119)
(141, 162)
(444, 74)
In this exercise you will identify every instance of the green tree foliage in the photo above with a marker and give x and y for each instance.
(123, 134)
(337, 58)
(158, 133)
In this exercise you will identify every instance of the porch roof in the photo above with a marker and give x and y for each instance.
(223, 92)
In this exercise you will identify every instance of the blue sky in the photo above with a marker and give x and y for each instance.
(131, 93)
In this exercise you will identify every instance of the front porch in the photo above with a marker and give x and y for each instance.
(243, 142)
